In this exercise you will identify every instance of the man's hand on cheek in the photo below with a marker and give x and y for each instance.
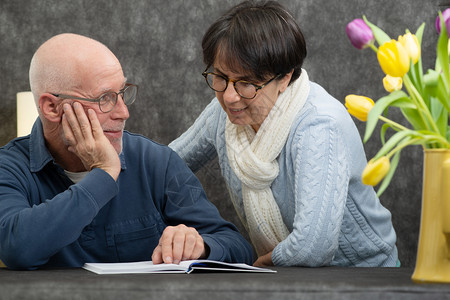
(86, 139)
(179, 243)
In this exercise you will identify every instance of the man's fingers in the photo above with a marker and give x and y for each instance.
(72, 122)
(166, 242)
(189, 245)
(199, 248)
(68, 134)
(179, 243)
(76, 118)
(82, 126)
(83, 121)
(157, 255)
(97, 129)
(178, 246)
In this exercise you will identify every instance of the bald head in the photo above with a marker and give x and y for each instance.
(65, 63)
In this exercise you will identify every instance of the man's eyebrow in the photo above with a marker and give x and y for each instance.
(105, 90)
(124, 82)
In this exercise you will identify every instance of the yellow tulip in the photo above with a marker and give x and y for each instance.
(375, 171)
(392, 83)
(359, 106)
(412, 46)
(393, 59)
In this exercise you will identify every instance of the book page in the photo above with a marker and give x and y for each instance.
(211, 265)
(187, 266)
(134, 267)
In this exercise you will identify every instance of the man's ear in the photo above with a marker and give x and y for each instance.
(284, 81)
(50, 107)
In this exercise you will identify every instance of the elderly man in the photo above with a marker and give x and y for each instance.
(81, 189)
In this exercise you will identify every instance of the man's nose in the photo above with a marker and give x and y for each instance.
(120, 110)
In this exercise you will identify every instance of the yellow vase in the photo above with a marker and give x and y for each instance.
(433, 255)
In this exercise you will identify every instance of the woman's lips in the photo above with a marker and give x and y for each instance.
(236, 111)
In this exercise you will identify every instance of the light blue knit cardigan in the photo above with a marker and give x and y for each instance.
(333, 218)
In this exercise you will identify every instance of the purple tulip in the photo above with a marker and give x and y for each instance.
(446, 16)
(359, 33)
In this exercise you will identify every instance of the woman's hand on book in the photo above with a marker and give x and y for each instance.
(264, 260)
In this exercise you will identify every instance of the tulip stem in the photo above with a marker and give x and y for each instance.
(421, 106)
(439, 139)
(400, 146)
(392, 123)
(373, 47)
(413, 141)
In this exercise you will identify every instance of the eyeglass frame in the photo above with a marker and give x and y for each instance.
(227, 80)
(122, 91)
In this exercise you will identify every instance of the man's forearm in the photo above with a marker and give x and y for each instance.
(31, 235)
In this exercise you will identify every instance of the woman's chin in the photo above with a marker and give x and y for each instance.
(238, 121)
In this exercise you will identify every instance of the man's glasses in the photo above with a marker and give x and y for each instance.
(107, 101)
(245, 89)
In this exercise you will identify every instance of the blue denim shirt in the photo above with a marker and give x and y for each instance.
(47, 220)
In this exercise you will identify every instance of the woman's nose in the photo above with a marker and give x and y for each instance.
(230, 94)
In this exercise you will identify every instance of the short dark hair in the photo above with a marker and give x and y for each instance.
(259, 37)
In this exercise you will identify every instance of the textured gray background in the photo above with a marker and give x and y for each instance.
(158, 43)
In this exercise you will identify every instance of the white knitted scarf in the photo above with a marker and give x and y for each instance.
(253, 156)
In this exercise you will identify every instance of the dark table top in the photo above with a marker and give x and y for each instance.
(287, 283)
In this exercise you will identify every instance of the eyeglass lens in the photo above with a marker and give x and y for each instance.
(109, 100)
(219, 84)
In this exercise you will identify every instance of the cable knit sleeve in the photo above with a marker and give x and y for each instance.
(321, 173)
(197, 145)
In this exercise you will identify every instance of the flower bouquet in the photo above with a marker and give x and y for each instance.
(423, 99)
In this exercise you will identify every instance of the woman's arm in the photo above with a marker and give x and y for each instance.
(196, 146)
(321, 174)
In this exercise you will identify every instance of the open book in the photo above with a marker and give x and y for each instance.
(187, 266)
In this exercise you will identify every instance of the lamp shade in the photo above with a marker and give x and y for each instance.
(26, 113)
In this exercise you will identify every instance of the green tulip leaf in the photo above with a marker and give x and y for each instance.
(442, 52)
(431, 78)
(401, 136)
(419, 33)
(384, 128)
(442, 93)
(416, 71)
(399, 98)
(440, 115)
(385, 183)
(430, 139)
(436, 108)
(413, 75)
(413, 117)
(380, 36)
(416, 75)
(431, 83)
(403, 103)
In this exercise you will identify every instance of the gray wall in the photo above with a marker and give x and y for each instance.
(158, 43)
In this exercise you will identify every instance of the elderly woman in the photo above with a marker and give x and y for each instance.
(290, 154)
